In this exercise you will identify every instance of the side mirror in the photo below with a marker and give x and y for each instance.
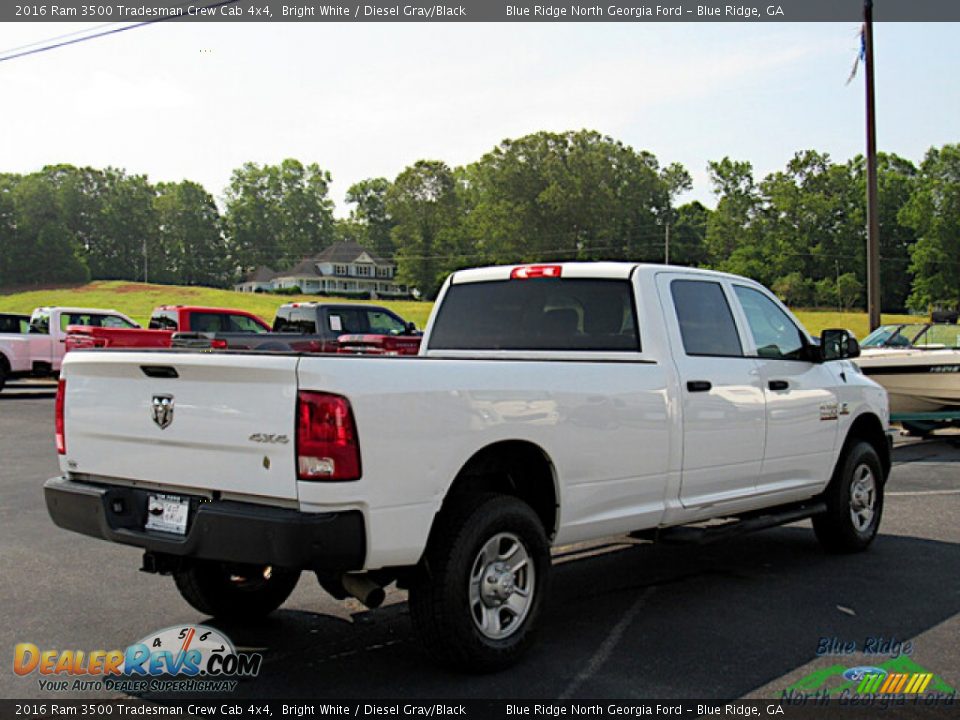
(838, 345)
(411, 328)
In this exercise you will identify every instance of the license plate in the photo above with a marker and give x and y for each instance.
(167, 513)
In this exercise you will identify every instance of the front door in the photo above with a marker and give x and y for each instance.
(722, 400)
(802, 409)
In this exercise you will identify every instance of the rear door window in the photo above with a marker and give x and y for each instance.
(706, 322)
(538, 314)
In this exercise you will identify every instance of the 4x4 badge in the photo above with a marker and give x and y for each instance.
(163, 410)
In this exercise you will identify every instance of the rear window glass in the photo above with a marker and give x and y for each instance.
(538, 314)
(706, 323)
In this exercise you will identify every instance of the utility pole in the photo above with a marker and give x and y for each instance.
(873, 222)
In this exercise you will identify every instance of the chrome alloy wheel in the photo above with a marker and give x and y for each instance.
(863, 498)
(502, 582)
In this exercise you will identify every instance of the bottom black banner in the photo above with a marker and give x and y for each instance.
(795, 707)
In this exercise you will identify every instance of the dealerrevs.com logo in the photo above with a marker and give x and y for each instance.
(182, 658)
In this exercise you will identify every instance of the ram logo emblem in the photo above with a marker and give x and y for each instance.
(163, 410)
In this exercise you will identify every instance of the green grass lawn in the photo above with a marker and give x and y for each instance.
(138, 300)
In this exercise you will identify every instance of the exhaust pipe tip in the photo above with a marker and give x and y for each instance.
(364, 589)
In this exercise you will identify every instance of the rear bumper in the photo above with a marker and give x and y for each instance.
(222, 530)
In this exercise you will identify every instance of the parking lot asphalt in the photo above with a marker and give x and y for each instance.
(625, 619)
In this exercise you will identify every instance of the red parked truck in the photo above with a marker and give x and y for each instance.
(164, 322)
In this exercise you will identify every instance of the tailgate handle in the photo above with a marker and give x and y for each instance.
(160, 371)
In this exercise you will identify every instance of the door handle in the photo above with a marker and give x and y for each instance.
(778, 385)
(699, 385)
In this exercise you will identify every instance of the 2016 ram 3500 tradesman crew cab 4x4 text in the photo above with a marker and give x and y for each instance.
(550, 404)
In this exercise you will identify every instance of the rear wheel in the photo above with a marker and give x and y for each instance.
(854, 502)
(234, 591)
(477, 602)
(3, 372)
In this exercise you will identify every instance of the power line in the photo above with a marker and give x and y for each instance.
(105, 33)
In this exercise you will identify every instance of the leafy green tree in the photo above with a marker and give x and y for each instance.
(189, 235)
(127, 226)
(423, 202)
(688, 236)
(825, 293)
(574, 195)
(733, 237)
(370, 198)
(896, 178)
(277, 214)
(42, 249)
(795, 289)
(933, 213)
(676, 180)
(7, 228)
(849, 291)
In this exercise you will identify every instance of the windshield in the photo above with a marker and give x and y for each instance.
(919, 335)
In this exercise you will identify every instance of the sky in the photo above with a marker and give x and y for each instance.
(195, 100)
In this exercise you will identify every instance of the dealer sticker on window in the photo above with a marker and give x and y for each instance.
(167, 513)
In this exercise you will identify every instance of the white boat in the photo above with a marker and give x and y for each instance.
(918, 364)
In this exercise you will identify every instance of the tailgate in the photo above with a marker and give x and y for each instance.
(217, 422)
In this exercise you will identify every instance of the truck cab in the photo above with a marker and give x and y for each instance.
(39, 351)
(164, 322)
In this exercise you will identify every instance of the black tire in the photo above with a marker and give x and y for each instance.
(235, 592)
(447, 607)
(847, 496)
(3, 372)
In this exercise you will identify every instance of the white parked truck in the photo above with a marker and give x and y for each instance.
(550, 404)
(39, 351)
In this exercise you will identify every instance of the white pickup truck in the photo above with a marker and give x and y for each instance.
(550, 404)
(39, 351)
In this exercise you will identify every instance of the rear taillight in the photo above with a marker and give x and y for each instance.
(61, 399)
(327, 446)
(218, 344)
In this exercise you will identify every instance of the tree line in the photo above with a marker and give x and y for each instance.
(546, 196)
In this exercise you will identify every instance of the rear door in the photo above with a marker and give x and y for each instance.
(41, 339)
(802, 407)
(209, 422)
(722, 398)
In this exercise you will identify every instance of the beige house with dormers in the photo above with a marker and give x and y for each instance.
(343, 268)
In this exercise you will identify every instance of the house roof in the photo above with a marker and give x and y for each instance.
(261, 274)
(338, 253)
(347, 252)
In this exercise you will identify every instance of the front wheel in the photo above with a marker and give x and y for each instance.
(477, 601)
(233, 591)
(854, 502)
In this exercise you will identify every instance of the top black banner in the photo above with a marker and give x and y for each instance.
(622, 11)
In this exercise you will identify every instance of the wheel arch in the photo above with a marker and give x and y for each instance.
(868, 428)
(519, 468)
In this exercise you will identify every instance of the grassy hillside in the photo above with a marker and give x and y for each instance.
(137, 300)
